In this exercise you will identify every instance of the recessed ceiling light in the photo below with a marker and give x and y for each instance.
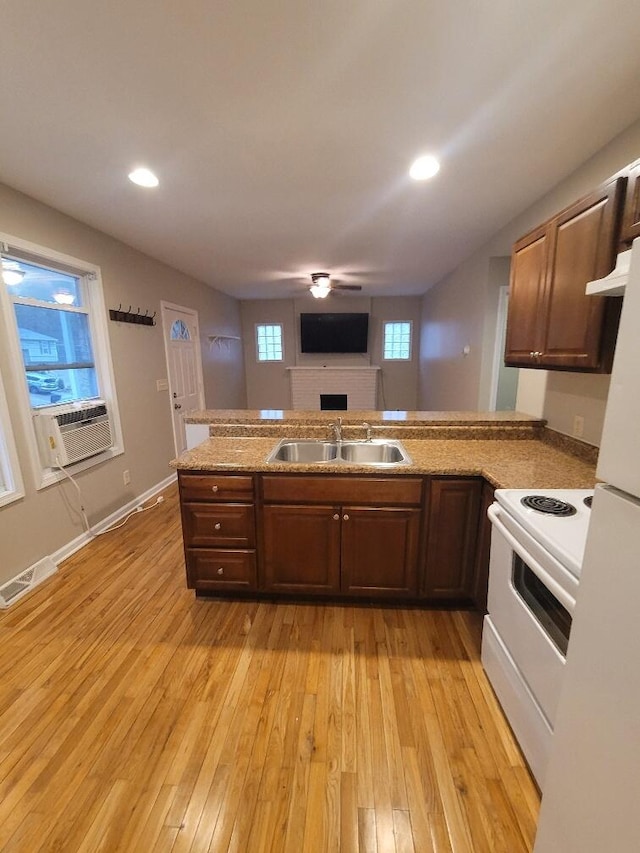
(143, 177)
(424, 167)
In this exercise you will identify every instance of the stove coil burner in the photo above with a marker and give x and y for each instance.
(587, 501)
(548, 506)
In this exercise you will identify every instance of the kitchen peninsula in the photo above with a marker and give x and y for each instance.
(415, 532)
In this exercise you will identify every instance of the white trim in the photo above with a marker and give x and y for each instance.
(11, 485)
(92, 288)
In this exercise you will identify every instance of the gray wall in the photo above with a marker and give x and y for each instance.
(46, 520)
(268, 385)
(457, 311)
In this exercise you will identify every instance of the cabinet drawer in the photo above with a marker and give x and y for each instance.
(217, 568)
(214, 487)
(339, 490)
(219, 525)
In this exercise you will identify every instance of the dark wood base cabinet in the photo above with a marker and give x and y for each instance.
(407, 538)
(451, 537)
(351, 546)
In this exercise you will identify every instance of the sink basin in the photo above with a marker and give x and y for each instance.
(304, 451)
(378, 452)
(372, 452)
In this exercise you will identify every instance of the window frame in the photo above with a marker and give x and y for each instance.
(11, 484)
(386, 323)
(91, 282)
(269, 360)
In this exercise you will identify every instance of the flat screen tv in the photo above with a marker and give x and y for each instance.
(339, 333)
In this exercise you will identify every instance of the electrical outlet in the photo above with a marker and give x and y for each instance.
(578, 426)
(126, 477)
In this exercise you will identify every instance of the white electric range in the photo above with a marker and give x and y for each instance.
(537, 546)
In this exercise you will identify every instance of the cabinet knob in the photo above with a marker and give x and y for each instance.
(336, 517)
(217, 525)
(220, 571)
(345, 517)
(214, 488)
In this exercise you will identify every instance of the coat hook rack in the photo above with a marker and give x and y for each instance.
(130, 316)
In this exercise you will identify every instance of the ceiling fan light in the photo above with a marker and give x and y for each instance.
(320, 291)
(321, 286)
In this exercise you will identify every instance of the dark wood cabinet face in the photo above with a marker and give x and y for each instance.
(379, 551)
(221, 569)
(451, 539)
(309, 544)
(526, 297)
(219, 525)
(219, 531)
(552, 323)
(631, 215)
(483, 548)
(301, 548)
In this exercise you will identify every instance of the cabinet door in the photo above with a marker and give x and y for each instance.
(452, 529)
(526, 297)
(578, 328)
(631, 215)
(379, 551)
(301, 549)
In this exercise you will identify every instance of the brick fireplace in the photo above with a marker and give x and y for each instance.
(357, 384)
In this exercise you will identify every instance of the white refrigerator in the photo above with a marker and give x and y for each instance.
(591, 801)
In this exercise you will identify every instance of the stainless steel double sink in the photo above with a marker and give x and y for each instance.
(378, 452)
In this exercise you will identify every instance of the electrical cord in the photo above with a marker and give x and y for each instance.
(88, 527)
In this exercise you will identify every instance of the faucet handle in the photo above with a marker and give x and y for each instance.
(368, 430)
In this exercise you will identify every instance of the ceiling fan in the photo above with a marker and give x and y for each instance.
(322, 285)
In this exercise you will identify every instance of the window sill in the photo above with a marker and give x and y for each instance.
(51, 476)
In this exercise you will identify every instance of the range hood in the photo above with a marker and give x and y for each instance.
(613, 284)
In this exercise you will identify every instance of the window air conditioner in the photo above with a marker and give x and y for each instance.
(73, 432)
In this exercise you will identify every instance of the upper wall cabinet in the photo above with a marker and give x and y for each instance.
(551, 323)
(631, 215)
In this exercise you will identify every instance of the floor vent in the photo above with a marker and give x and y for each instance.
(14, 589)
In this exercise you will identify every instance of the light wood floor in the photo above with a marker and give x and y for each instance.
(135, 717)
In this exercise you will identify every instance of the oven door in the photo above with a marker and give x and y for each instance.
(530, 611)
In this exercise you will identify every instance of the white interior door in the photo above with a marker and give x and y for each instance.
(184, 366)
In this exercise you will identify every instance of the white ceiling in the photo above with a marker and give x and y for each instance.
(282, 130)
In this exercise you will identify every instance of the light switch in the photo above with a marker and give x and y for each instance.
(162, 385)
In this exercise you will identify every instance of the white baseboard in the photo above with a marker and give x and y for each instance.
(48, 565)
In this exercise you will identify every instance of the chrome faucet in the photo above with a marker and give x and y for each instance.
(367, 428)
(337, 429)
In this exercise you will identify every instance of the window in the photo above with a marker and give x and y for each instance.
(269, 342)
(180, 331)
(55, 332)
(52, 319)
(397, 341)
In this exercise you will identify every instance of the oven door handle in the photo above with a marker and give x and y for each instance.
(552, 585)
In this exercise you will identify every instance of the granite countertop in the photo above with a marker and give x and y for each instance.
(522, 463)
(298, 418)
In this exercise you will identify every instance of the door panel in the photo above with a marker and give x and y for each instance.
(184, 367)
